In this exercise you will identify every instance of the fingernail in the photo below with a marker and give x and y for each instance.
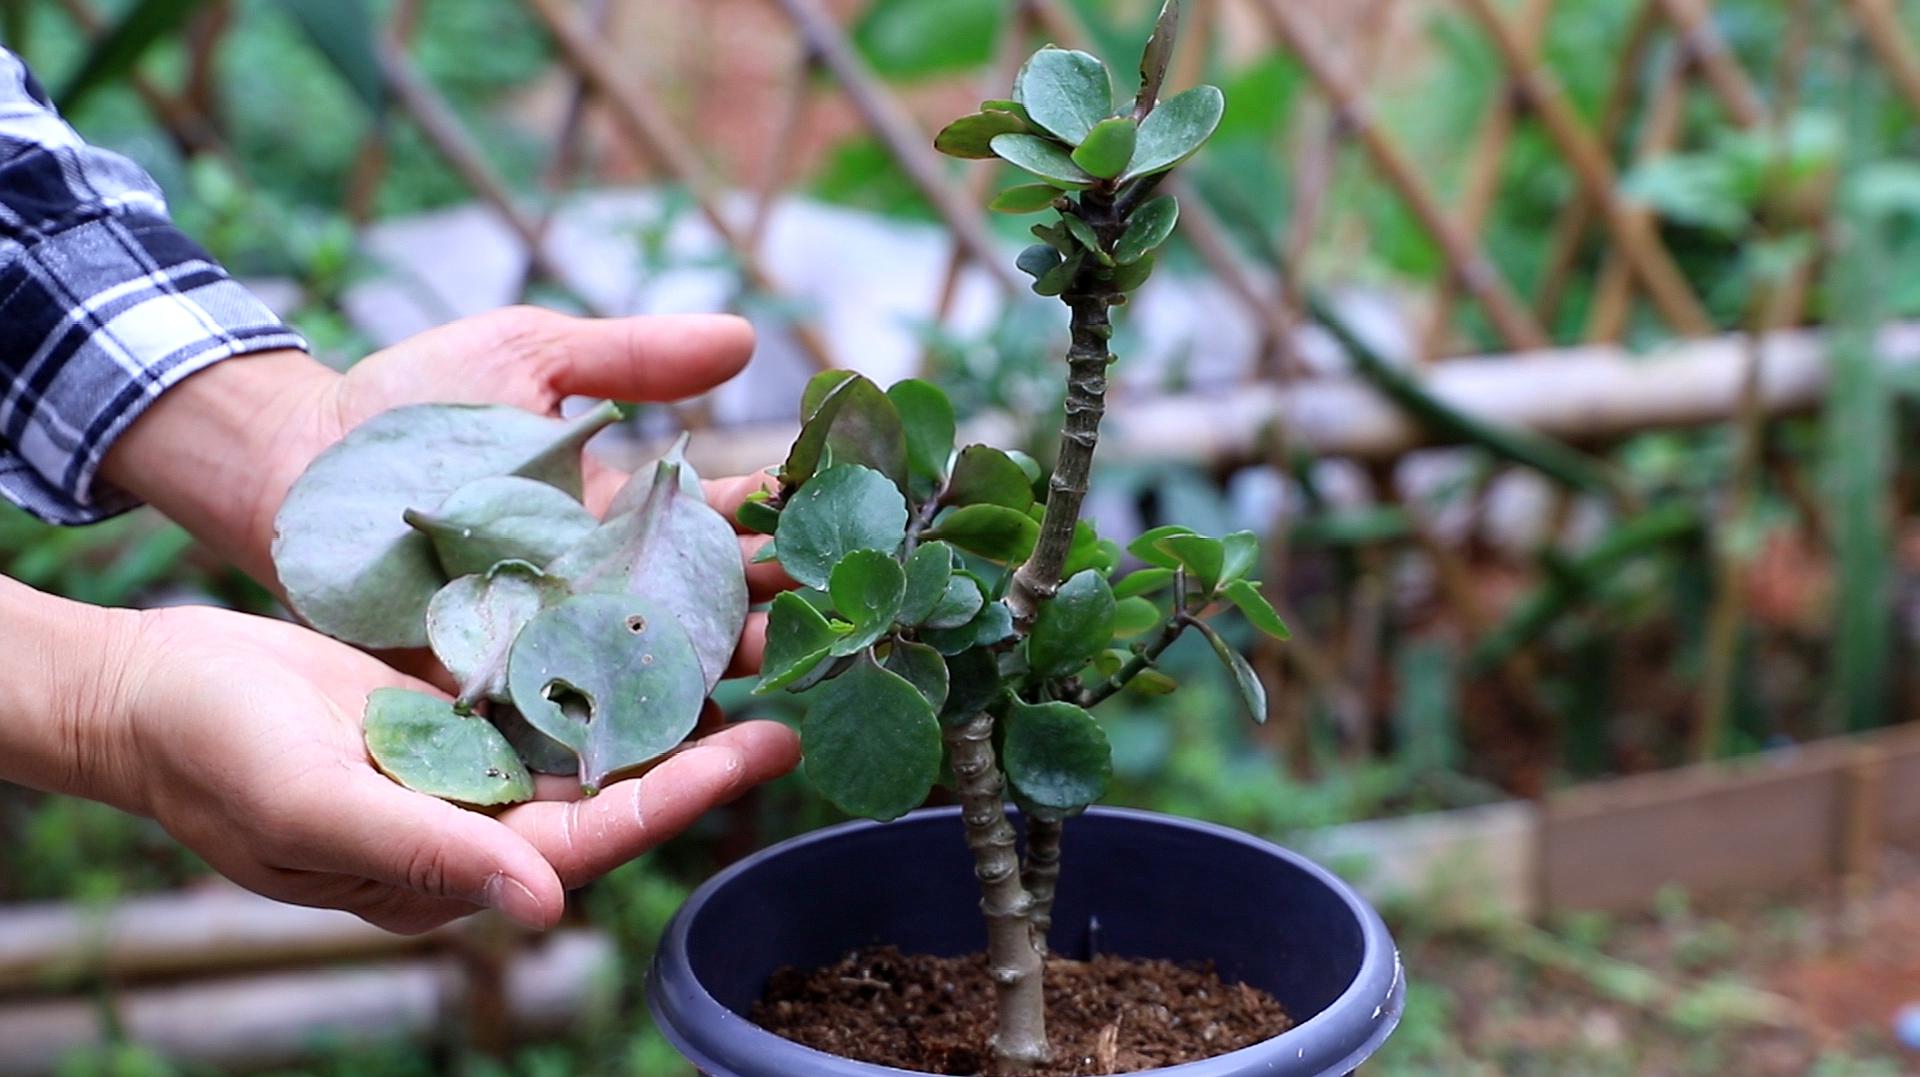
(510, 898)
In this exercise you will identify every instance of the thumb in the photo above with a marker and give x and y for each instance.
(651, 357)
(435, 850)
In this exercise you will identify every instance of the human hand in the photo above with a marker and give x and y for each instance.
(218, 452)
(242, 736)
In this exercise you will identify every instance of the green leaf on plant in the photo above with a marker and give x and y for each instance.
(1175, 129)
(502, 518)
(1057, 279)
(1240, 552)
(1066, 92)
(1025, 198)
(973, 684)
(1202, 557)
(1245, 680)
(350, 564)
(922, 667)
(1044, 158)
(798, 637)
(960, 602)
(1057, 758)
(1037, 261)
(991, 626)
(757, 515)
(871, 742)
(867, 587)
(820, 387)
(1152, 682)
(855, 423)
(972, 136)
(1007, 104)
(845, 508)
(472, 622)
(421, 742)
(927, 572)
(1071, 627)
(1134, 616)
(1246, 597)
(1149, 227)
(1083, 234)
(612, 676)
(1143, 581)
(1127, 277)
(678, 552)
(1089, 551)
(994, 532)
(927, 417)
(541, 753)
(986, 476)
(1108, 148)
(1147, 546)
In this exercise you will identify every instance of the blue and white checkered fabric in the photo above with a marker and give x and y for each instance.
(104, 305)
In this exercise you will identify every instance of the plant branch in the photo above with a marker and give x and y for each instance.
(1087, 358)
(1142, 660)
(1014, 955)
(1041, 873)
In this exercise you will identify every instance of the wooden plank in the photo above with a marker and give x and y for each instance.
(1713, 830)
(1462, 865)
(1900, 821)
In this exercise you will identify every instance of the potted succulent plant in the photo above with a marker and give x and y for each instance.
(956, 623)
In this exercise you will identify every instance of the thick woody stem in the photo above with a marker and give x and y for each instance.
(1014, 956)
(1087, 358)
(1040, 874)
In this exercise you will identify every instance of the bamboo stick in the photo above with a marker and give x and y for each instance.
(1478, 275)
(1889, 41)
(654, 132)
(1639, 243)
(1708, 50)
(1659, 133)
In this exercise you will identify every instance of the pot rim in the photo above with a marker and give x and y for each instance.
(1381, 977)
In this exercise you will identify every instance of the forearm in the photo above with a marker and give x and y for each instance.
(61, 727)
(212, 454)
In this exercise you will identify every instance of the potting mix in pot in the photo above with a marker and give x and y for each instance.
(956, 620)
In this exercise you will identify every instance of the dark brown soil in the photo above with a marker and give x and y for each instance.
(934, 1014)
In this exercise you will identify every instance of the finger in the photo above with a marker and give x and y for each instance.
(585, 839)
(753, 647)
(766, 579)
(651, 357)
(371, 828)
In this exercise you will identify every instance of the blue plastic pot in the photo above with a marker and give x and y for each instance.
(1133, 883)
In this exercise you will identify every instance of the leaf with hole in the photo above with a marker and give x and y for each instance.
(1071, 627)
(1245, 680)
(502, 518)
(972, 136)
(1108, 148)
(927, 573)
(994, 532)
(541, 753)
(1066, 92)
(927, 418)
(1044, 158)
(1147, 228)
(798, 637)
(612, 676)
(984, 475)
(1057, 758)
(421, 742)
(871, 743)
(1246, 597)
(678, 552)
(1025, 198)
(472, 622)
(867, 587)
(1174, 130)
(845, 508)
(921, 666)
(350, 565)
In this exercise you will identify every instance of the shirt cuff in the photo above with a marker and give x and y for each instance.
(103, 318)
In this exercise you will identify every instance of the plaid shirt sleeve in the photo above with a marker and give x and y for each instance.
(104, 305)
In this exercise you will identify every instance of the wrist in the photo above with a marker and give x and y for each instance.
(218, 452)
(64, 724)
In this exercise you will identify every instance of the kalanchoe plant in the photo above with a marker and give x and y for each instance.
(957, 619)
(580, 646)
